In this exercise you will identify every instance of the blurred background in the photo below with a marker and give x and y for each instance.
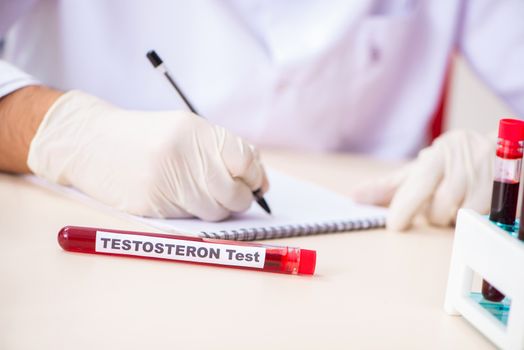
(471, 105)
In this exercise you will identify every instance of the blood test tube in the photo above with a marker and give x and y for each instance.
(508, 164)
(245, 255)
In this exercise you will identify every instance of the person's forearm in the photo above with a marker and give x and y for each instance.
(20, 115)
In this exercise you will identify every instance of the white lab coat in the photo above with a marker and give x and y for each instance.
(362, 76)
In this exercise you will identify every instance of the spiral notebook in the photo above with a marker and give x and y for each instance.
(298, 208)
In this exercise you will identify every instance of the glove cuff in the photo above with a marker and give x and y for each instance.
(53, 147)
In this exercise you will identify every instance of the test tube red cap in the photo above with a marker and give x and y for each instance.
(511, 129)
(308, 261)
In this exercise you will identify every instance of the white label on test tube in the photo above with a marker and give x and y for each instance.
(174, 249)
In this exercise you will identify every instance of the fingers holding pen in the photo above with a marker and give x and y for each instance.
(242, 160)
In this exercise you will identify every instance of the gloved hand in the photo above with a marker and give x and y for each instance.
(155, 164)
(455, 171)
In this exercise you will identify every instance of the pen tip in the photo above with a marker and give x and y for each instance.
(262, 202)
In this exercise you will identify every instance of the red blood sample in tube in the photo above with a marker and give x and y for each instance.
(508, 164)
(245, 255)
(504, 202)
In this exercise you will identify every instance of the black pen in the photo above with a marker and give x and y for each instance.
(158, 64)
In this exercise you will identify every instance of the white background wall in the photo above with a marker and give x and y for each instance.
(472, 105)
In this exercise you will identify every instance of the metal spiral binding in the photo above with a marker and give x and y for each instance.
(272, 232)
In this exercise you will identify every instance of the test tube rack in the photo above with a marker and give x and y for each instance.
(482, 247)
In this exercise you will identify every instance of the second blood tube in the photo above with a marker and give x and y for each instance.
(504, 199)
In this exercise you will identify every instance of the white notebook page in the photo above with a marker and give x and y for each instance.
(294, 204)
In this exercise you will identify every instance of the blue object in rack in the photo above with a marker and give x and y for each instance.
(498, 310)
(513, 230)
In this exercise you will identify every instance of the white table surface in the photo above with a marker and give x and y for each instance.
(372, 289)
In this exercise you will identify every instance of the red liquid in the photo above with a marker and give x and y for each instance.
(504, 202)
(277, 259)
(491, 293)
(503, 211)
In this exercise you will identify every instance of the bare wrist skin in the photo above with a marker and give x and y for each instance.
(21, 112)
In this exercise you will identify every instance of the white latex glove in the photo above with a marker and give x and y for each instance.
(157, 164)
(454, 172)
